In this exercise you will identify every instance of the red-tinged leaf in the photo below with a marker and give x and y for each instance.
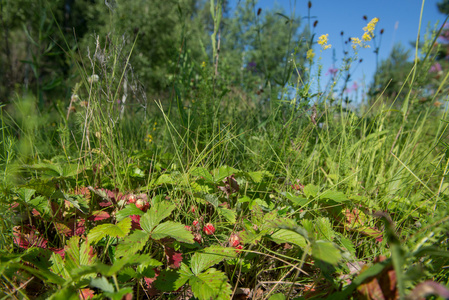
(86, 293)
(63, 229)
(99, 215)
(60, 251)
(135, 222)
(105, 203)
(372, 232)
(357, 220)
(381, 287)
(26, 237)
(35, 212)
(174, 258)
(151, 289)
(71, 228)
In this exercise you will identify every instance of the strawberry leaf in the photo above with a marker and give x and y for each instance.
(211, 256)
(172, 229)
(119, 230)
(155, 215)
(78, 255)
(132, 243)
(129, 210)
(211, 284)
(174, 258)
(326, 252)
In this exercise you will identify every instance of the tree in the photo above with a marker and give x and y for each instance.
(391, 74)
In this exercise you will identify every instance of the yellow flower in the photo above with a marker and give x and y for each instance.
(371, 25)
(322, 41)
(310, 54)
(366, 37)
(203, 65)
(356, 42)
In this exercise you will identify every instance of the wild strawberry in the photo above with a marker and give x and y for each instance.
(209, 229)
(188, 228)
(195, 223)
(132, 198)
(197, 238)
(238, 248)
(142, 205)
(192, 209)
(234, 240)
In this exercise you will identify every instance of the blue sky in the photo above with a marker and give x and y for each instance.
(398, 18)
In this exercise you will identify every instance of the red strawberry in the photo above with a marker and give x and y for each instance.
(238, 248)
(234, 240)
(188, 228)
(142, 205)
(197, 238)
(132, 198)
(209, 229)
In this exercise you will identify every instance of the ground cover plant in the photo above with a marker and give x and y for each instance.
(230, 170)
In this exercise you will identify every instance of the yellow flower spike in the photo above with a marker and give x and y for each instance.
(366, 37)
(356, 42)
(322, 41)
(371, 26)
(310, 54)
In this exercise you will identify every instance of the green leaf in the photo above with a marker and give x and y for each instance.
(119, 295)
(67, 293)
(171, 280)
(41, 204)
(129, 210)
(174, 230)
(324, 228)
(132, 243)
(228, 214)
(278, 296)
(223, 172)
(80, 205)
(165, 179)
(58, 266)
(209, 257)
(346, 243)
(311, 190)
(202, 172)
(102, 284)
(257, 177)
(25, 194)
(70, 170)
(326, 252)
(288, 236)
(155, 215)
(77, 255)
(297, 200)
(289, 225)
(211, 284)
(333, 195)
(120, 230)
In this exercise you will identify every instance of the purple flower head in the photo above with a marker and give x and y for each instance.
(332, 71)
(251, 66)
(435, 68)
(353, 88)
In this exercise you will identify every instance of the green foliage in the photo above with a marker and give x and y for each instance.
(242, 175)
(119, 230)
